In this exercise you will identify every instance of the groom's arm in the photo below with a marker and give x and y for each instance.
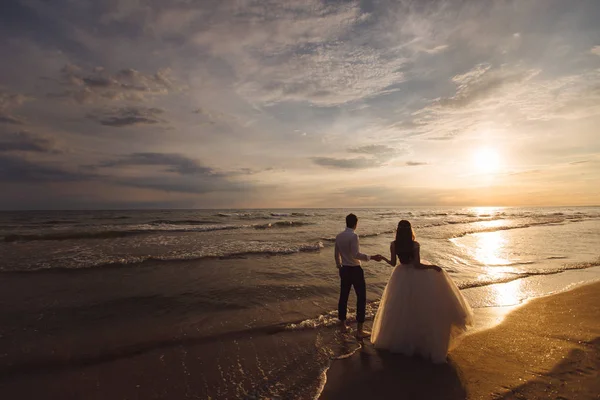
(355, 250)
(337, 256)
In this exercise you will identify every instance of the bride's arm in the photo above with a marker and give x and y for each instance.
(392, 260)
(417, 253)
(427, 266)
(417, 260)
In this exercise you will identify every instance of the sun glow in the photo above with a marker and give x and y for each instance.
(486, 160)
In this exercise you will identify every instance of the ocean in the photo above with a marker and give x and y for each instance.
(241, 303)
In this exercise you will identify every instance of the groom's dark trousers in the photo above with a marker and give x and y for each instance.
(352, 276)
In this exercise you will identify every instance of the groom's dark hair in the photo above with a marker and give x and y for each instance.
(351, 220)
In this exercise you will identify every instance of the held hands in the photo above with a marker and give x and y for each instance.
(377, 257)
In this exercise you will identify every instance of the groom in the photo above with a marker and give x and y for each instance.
(347, 259)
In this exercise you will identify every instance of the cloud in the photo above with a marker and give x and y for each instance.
(26, 141)
(173, 162)
(202, 185)
(21, 170)
(488, 95)
(289, 51)
(446, 136)
(595, 50)
(377, 154)
(185, 174)
(415, 163)
(128, 116)
(374, 149)
(347, 163)
(98, 84)
(483, 81)
(526, 172)
(436, 49)
(8, 102)
(10, 119)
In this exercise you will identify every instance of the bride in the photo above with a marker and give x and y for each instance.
(421, 311)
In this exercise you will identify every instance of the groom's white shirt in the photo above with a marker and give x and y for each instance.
(348, 249)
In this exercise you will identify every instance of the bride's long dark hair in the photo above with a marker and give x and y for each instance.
(405, 241)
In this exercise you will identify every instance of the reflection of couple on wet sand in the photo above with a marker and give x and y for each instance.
(421, 312)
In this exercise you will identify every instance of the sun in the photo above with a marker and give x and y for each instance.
(486, 160)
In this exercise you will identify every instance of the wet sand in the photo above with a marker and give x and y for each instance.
(546, 349)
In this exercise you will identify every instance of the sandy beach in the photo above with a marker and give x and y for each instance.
(547, 349)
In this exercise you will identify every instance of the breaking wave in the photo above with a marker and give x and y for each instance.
(156, 226)
(330, 318)
(269, 250)
(520, 275)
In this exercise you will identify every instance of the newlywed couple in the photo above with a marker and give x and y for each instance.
(421, 311)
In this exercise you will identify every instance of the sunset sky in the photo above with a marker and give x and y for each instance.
(206, 104)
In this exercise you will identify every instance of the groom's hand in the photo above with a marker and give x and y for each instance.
(376, 257)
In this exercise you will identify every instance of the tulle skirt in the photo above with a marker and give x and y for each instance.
(421, 312)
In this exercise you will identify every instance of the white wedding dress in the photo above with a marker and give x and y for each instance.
(421, 312)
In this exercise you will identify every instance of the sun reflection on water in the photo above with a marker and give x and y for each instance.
(485, 211)
(490, 250)
(490, 247)
(508, 294)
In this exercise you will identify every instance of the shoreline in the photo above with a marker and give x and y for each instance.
(548, 347)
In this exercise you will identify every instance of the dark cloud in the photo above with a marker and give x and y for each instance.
(346, 163)
(415, 163)
(10, 119)
(26, 141)
(378, 154)
(100, 84)
(8, 102)
(128, 116)
(374, 149)
(198, 185)
(190, 175)
(173, 162)
(21, 170)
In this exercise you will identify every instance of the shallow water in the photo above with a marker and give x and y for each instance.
(240, 303)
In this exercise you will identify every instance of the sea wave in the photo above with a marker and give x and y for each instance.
(115, 217)
(232, 214)
(504, 228)
(182, 222)
(110, 234)
(59, 222)
(330, 318)
(281, 224)
(273, 250)
(520, 275)
(153, 227)
(362, 236)
(71, 235)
